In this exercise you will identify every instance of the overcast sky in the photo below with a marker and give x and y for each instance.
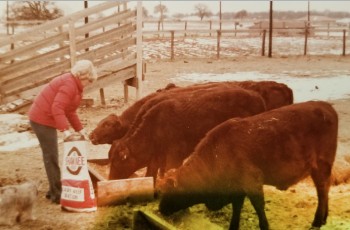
(187, 7)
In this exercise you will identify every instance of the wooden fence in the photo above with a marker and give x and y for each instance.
(189, 25)
(31, 59)
(170, 30)
(170, 35)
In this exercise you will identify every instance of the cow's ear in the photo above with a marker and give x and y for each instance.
(115, 119)
(124, 152)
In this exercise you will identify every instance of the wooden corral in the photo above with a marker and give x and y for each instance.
(112, 42)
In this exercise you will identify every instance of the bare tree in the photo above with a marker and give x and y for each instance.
(35, 10)
(241, 14)
(201, 10)
(162, 9)
(144, 12)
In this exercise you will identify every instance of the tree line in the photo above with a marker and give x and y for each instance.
(48, 10)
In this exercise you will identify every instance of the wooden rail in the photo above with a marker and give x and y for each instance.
(111, 42)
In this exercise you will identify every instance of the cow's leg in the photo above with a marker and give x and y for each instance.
(322, 180)
(152, 170)
(237, 204)
(258, 202)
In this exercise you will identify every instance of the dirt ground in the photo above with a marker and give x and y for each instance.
(291, 209)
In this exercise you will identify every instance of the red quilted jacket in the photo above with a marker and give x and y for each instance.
(57, 103)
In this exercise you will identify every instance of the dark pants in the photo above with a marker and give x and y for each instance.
(47, 137)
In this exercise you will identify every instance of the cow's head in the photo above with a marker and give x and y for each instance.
(107, 130)
(123, 164)
(175, 196)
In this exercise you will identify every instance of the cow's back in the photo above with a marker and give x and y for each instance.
(282, 146)
(180, 92)
(275, 94)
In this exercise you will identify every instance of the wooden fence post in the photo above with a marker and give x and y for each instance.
(185, 28)
(305, 43)
(344, 42)
(236, 23)
(172, 45)
(102, 96)
(210, 27)
(72, 42)
(158, 28)
(139, 71)
(263, 43)
(12, 48)
(328, 29)
(218, 44)
(61, 43)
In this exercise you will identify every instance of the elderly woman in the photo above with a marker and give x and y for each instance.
(54, 109)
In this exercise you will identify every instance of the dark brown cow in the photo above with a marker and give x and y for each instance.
(275, 94)
(114, 127)
(235, 159)
(170, 130)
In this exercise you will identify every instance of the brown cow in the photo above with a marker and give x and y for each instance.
(114, 127)
(235, 159)
(170, 130)
(275, 94)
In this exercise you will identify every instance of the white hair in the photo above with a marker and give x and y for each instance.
(83, 67)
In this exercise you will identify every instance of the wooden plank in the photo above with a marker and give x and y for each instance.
(111, 79)
(29, 91)
(99, 161)
(19, 69)
(100, 53)
(40, 61)
(35, 62)
(43, 76)
(45, 71)
(96, 174)
(57, 39)
(107, 37)
(72, 43)
(132, 190)
(114, 58)
(26, 76)
(139, 50)
(58, 22)
(37, 77)
(32, 48)
(114, 67)
(148, 220)
(104, 22)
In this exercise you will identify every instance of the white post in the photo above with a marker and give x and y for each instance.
(139, 49)
(72, 41)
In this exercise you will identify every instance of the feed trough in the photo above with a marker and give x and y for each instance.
(114, 192)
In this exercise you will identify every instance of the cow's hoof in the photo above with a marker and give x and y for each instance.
(314, 228)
